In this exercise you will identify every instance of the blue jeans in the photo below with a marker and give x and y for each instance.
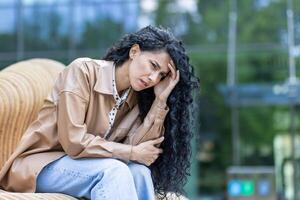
(97, 178)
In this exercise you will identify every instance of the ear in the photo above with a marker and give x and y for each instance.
(134, 51)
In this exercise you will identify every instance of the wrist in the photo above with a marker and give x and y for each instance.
(161, 99)
(161, 103)
(132, 153)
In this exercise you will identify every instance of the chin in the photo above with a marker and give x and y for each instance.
(136, 89)
(136, 86)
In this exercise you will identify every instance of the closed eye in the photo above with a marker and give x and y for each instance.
(155, 66)
(163, 75)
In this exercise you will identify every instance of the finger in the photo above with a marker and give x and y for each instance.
(158, 140)
(170, 73)
(157, 151)
(177, 78)
(154, 150)
(150, 161)
(178, 75)
(172, 63)
(153, 160)
(172, 69)
(160, 151)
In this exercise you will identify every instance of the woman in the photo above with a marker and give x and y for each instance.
(100, 133)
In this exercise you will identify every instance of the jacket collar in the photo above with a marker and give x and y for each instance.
(104, 82)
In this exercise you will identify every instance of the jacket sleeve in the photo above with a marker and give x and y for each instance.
(152, 127)
(72, 130)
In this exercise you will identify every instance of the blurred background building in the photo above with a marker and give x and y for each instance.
(251, 35)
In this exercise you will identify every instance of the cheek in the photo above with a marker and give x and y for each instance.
(132, 67)
(156, 83)
(134, 74)
(137, 71)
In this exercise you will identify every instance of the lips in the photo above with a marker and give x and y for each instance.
(144, 83)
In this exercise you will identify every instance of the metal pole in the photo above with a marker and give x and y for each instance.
(292, 82)
(291, 45)
(235, 134)
(293, 139)
(231, 44)
(231, 81)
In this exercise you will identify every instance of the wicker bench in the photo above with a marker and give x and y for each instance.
(23, 87)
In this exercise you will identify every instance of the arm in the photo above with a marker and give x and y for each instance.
(73, 135)
(145, 152)
(153, 125)
(71, 110)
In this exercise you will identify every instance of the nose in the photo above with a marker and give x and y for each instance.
(154, 77)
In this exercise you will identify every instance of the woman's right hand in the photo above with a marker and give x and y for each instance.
(146, 152)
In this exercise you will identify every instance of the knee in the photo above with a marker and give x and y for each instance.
(139, 170)
(117, 169)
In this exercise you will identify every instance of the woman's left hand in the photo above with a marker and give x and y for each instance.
(163, 89)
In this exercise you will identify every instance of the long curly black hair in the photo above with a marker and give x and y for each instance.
(170, 170)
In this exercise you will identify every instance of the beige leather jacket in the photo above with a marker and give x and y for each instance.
(73, 120)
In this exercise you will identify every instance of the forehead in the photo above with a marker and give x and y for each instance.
(161, 57)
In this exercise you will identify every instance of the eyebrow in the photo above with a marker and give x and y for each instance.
(153, 62)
